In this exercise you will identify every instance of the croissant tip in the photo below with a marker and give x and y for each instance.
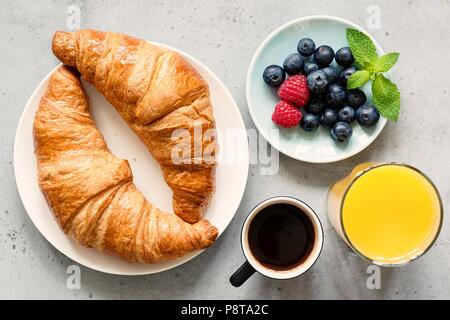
(213, 233)
(68, 69)
(209, 231)
(63, 47)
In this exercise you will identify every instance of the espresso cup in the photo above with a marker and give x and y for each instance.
(281, 238)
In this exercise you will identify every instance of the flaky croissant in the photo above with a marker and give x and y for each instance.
(156, 91)
(91, 192)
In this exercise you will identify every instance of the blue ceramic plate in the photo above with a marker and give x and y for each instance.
(315, 147)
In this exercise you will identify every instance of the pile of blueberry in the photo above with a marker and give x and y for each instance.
(331, 104)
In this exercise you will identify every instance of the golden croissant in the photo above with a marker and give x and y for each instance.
(156, 92)
(91, 192)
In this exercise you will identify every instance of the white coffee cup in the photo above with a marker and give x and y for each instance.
(253, 264)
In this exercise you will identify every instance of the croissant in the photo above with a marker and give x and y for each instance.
(91, 192)
(156, 92)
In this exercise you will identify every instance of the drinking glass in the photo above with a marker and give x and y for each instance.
(383, 209)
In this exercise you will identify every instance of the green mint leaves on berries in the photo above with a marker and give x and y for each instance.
(386, 96)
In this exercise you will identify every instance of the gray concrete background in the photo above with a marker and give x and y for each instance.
(224, 35)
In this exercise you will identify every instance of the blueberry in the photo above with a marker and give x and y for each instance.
(346, 73)
(367, 115)
(331, 73)
(324, 55)
(293, 63)
(346, 114)
(317, 81)
(356, 98)
(274, 75)
(309, 122)
(315, 106)
(341, 131)
(328, 118)
(335, 96)
(310, 66)
(306, 47)
(344, 57)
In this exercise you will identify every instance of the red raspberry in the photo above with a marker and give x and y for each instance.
(294, 89)
(286, 115)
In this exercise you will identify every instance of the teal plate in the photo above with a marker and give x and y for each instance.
(315, 147)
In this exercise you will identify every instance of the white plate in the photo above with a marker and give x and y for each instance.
(314, 147)
(231, 174)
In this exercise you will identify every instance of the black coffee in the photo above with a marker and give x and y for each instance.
(281, 236)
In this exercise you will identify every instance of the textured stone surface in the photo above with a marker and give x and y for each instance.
(224, 35)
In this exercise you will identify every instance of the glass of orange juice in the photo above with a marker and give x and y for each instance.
(388, 213)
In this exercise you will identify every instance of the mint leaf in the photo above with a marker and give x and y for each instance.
(386, 97)
(358, 79)
(385, 94)
(362, 48)
(385, 62)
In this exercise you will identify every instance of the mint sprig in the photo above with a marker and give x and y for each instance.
(385, 93)
(362, 47)
(386, 97)
(358, 79)
(386, 62)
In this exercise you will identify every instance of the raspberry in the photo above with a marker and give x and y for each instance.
(286, 115)
(295, 89)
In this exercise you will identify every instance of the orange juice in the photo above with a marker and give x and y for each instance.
(388, 213)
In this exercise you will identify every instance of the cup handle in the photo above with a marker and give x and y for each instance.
(242, 274)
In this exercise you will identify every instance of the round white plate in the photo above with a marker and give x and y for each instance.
(231, 174)
(315, 147)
